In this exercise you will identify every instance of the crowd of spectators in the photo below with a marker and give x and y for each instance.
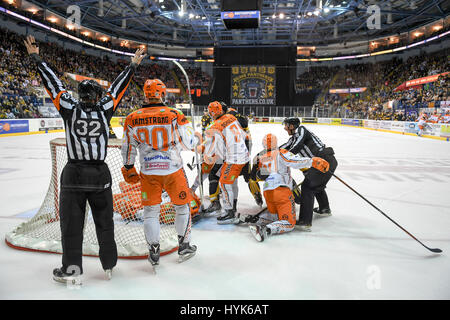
(380, 100)
(20, 83)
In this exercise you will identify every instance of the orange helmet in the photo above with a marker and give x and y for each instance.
(215, 109)
(270, 142)
(154, 89)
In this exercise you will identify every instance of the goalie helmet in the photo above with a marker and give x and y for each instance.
(216, 109)
(292, 121)
(155, 89)
(270, 142)
(89, 90)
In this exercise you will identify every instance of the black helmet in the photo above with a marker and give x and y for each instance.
(224, 106)
(89, 90)
(292, 120)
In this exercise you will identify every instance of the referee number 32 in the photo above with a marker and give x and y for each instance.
(89, 128)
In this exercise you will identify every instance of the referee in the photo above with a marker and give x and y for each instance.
(307, 144)
(86, 176)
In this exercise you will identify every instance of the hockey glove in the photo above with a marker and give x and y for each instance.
(320, 164)
(130, 175)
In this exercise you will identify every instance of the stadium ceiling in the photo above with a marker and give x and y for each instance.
(303, 22)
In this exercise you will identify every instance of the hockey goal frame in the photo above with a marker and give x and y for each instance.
(31, 235)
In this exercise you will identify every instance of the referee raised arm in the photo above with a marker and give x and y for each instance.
(86, 176)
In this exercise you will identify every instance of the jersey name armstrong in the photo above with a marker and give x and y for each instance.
(151, 120)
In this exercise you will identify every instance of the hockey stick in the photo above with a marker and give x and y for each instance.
(252, 215)
(199, 168)
(435, 250)
(191, 165)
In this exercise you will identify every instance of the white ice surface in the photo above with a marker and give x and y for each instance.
(355, 254)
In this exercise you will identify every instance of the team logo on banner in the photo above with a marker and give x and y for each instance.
(253, 85)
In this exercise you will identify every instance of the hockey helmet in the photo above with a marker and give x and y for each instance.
(216, 109)
(89, 90)
(292, 121)
(270, 142)
(155, 89)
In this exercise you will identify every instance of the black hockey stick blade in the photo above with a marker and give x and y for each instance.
(435, 250)
(191, 165)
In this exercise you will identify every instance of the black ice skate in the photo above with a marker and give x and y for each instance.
(62, 277)
(228, 218)
(326, 212)
(186, 251)
(302, 226)
(213, 207)
(108, 274)
(259, 232)
(153, 255)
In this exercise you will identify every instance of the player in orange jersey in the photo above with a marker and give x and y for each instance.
(160, 133)
(421, 124)
(225, 142)
(273, 166)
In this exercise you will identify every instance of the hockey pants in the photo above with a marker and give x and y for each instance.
(314, 186)
(72, 212)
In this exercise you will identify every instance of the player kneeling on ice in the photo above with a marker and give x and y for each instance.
(160, 133)
(273, 166)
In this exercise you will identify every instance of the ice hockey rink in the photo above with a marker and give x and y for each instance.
(355, 254)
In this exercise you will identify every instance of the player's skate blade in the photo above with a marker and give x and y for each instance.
(108, 274)
(186, 251)
(61, 277)
(303, 227)
(153, 256)
(258, 232)
(228, 218)
(213, 209)
(323, 212)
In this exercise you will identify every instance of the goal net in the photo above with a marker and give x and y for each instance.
(42, 232)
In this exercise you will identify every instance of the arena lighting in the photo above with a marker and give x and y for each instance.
(438, 27)
(326, 10)
(417, 34)
(309, 13)
(211, 60)
(181, 13)
(281, 15)
(52, 19)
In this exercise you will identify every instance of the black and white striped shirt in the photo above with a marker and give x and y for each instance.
(305, 143)
(87, 129)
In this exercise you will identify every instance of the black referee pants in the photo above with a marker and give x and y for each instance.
(313, 186)
(72, 211)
